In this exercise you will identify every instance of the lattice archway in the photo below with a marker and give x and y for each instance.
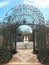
(18, 13)
(23, 15)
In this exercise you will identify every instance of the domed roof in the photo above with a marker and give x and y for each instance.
(30, 13)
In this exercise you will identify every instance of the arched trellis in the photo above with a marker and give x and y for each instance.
(14, 18)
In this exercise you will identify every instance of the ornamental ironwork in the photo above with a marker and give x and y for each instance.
(22, 15)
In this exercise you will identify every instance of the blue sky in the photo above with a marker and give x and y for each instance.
(42, 5)
(25, 28)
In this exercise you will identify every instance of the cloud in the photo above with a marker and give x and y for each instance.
(4, 3)
(41, 3)
(27, 2)
(37, 3)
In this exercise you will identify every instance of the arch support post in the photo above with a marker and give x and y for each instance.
(33, 42)
(15, 47)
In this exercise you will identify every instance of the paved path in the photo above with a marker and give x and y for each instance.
(24, 57)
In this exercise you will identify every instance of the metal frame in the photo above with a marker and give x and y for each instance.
(17, 16)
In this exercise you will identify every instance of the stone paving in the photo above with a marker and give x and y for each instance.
(24, 57)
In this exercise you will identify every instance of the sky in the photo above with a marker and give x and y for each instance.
(42, 5)
(25, 28)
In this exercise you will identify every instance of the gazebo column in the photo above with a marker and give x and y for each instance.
(35, 39)
(33, 42)
(15, 50)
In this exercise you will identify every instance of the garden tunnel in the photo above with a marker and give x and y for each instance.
(16, 16)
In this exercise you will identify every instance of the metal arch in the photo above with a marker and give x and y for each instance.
(11, 19)
(40, 16)
(10, 26)
(14, 12)
(25, 10)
